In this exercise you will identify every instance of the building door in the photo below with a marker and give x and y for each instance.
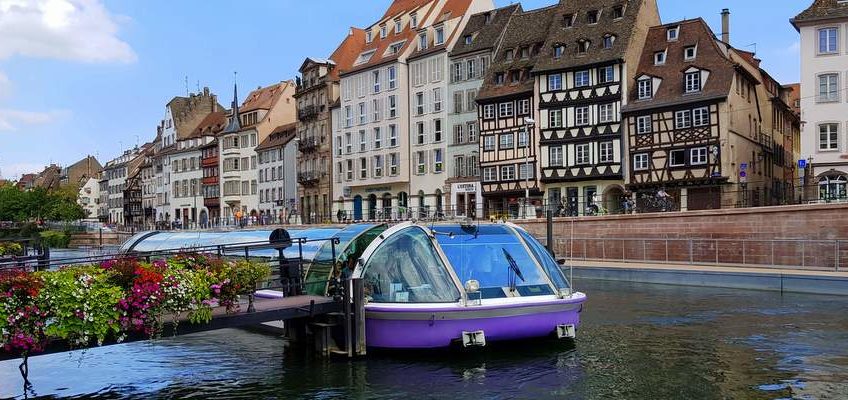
(372, 207)
(573, 199)
(357, 208)
(589, 200)
(460, 204)
(555, 200)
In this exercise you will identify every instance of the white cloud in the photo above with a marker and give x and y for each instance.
(14, 171)
(10, 120)
(5, 85)
(76, 30)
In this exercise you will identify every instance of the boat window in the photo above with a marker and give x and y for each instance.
(482, 253)
(406, 268)
(548, 263)
(352, 243)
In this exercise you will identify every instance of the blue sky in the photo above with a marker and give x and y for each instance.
(84, 77)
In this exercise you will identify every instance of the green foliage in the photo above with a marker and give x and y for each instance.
(83, 302)
(55, 239)
(11, 249)
(37, 204)
(247, 274)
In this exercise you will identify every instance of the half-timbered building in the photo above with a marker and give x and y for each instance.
(582, 75)
(695, 121)
(506, 113)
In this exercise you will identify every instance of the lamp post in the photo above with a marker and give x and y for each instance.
(528, 122)
(286, 203)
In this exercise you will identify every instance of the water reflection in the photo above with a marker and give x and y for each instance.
(637, 341)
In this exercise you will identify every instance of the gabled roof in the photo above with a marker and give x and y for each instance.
(264, 98)
(581, 30)
(821, 10)
(484, 35)
(211, 125)
(452, 9)
(399, 7)
(528, 28)
(279, 137)
(694, 32)
(346, 53)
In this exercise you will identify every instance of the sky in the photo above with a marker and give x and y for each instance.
(80, 77)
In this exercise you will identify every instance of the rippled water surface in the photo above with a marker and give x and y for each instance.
(637, 341)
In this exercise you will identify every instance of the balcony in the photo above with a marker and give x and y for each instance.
(209, 161)
(209, 180)
(309, 113)
(307, 144)
(309, 179)
(309, 84)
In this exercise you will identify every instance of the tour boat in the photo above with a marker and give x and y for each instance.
(438, 285)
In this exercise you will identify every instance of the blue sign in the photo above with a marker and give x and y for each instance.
(743, 166)
(802, 163)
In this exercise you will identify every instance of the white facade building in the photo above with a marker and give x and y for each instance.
(824, 100)
(277, 159)
(89, 197)
(186, 180)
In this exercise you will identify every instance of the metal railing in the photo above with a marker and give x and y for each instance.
(825, 255)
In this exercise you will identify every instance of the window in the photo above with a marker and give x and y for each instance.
(457, 102)
(375, 79)
(506, 141)
(606, 113)
(525, 171)
(828, 40)
(348, 144)
(484, 65)
(510, 54)
(456, 72)
(659, 58)
(673, 34)
(581, 154)
(508, 172)
(471, 99)
(369, 36)
(592, 17)
(828, 87)
(468, 39)
(522, 139)
(488, 143)
(645, 89)
(555, 119)
(392, 106)
(378, 138)
(701, 116)
(581, 116)
(437, 130)
(677, 158)
(438, 163)
(398, 26)
(525, 53)
(472, 166)
(339, 172)
(392, 77)
(437, 99)
(640, 162)
(422, 133)
(606, 152)
(440, 35)
(393, 135)
(506, 109)
(349, 170)
(470, 68)
(383, 31)
(555, 82)
(568, 20)
(583, 46)
(524, 107)
(555, 156)
(682, 119)
(458, 134)
(393, 164)
(378, 166)
(363, 168)
(643, 124)
(376, 110)
(558, 51)
(489, 111)
(472, 132)
(490, 174)
(581, 78)
(499, 78)
(419, 103)
(422, 41)
(413, 20)
(606, 74)
(421, 161)
(617, 12)
(362, 115)
(363, 141)
(693, 82)
(828, 137)
(608, 41)
(515, 76)
(698, 156)
(690, 53)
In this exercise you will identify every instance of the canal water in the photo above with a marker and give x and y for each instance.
(637, 341)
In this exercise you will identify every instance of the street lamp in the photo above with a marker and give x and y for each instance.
(528, 122)
(286, 203)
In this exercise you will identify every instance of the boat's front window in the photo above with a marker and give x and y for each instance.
(548, 263)
(406, 268)
(483, 253)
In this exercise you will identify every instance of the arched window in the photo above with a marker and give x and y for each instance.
(833, 187)
(406, 268)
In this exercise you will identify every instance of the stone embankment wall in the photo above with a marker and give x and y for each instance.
(805, 236)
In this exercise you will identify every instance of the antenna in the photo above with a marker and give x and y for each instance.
(186, 85)
(198, 86)
(754, 45)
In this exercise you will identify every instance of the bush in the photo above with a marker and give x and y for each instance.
(11, 249)
(55, 239)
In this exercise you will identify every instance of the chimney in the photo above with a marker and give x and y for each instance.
(725, 25)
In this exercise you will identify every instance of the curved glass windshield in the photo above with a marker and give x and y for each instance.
(548, 263)
(494, 256)
(406, 268)
(352, 243)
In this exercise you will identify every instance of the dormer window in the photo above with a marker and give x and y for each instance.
(422, 41)
(568, 20)
(398, 26)
(583, 46)
(369, 36)
(515, 76)
(525, 53)
(673, 34)
(592, 17)
(559, 49)
(469, 39)
(693, 82)
(383, 31)
(608, 41)
(440, 35)
(645, 89)
(499, 78)
(488, 18)
(659, 58)
(617, 12)
(510, 54)
(690, 53)
(413, 20)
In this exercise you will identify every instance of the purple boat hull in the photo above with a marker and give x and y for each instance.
(423, 328)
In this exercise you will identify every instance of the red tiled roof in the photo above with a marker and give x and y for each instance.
(280, 136)
(400, 6)
(264, 98)
(211, 125)
(345, 55)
